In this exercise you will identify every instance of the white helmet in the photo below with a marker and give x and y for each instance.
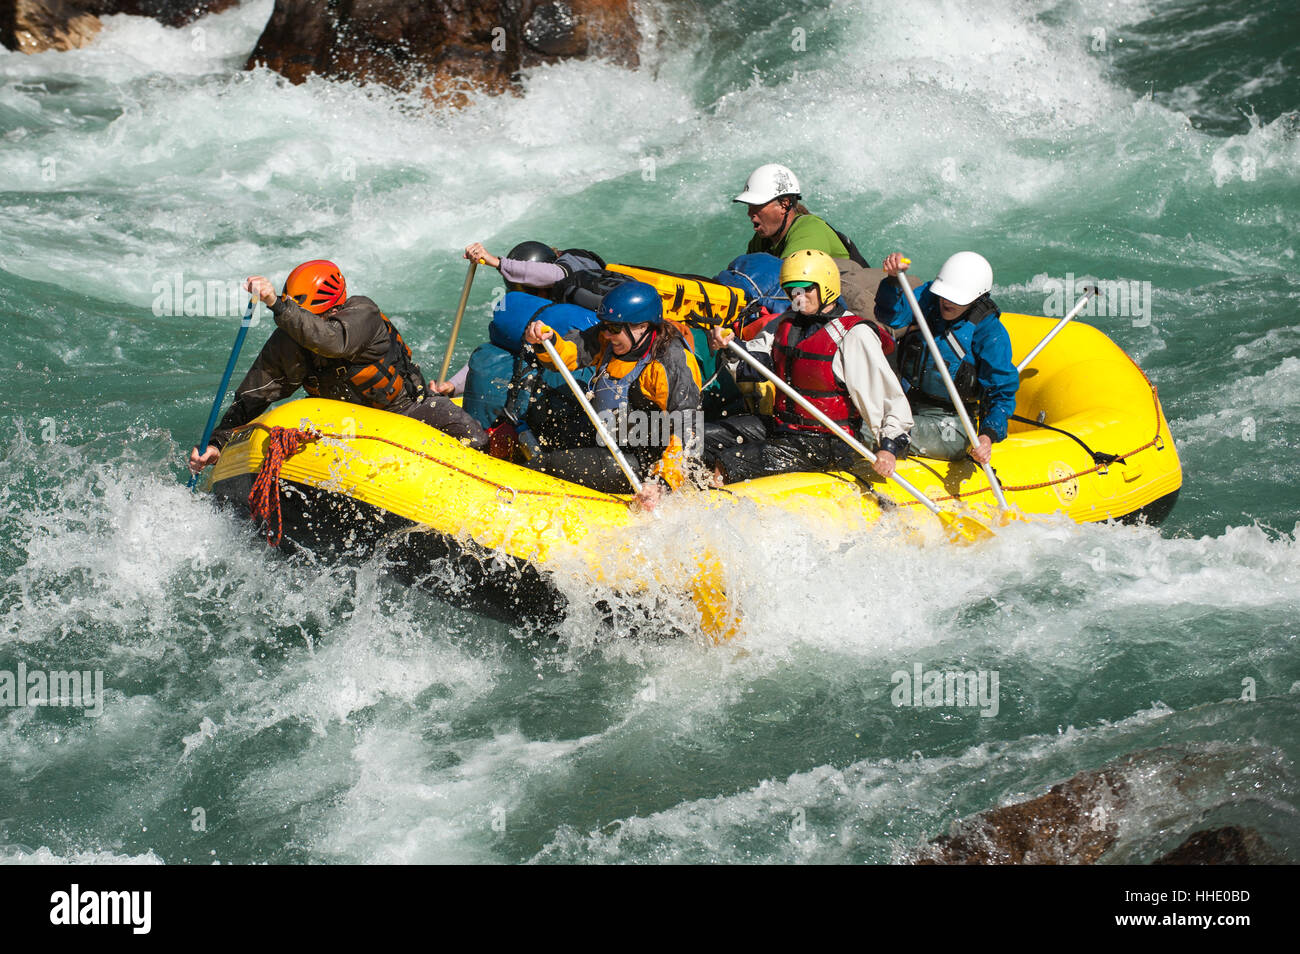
(963, 278)
(767, 183)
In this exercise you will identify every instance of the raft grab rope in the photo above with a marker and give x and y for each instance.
(264, 499)
(283, 442)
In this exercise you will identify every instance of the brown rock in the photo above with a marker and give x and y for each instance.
(1070, 824)
(172, 13)
(1075, 822)
(32, 26)
(442, 47)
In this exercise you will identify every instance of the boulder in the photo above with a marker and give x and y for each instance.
(32, 26)
(1075, 822)
(443, 47)
(1070, 824)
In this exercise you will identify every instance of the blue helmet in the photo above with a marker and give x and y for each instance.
(632, 303)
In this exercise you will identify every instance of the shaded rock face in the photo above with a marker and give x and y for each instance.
(444, 46)
(1223, 846)
(32, 26)
(1076, 822)
(173, 13)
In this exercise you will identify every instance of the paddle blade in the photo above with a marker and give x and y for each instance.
(718, 619)
(1010, 516)
(964, 530)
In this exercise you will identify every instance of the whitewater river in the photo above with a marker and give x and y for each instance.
(258, 708)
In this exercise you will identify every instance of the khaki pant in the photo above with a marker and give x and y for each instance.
(858, 286)
(937, 432)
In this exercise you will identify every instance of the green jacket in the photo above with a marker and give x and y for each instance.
(806, 231)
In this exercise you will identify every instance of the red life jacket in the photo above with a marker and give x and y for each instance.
(805, 364)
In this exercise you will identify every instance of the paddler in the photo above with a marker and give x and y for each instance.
(784, 226)
(974, 344)
(837, 360)
(646, 388)
(539, 269)
(338, 347)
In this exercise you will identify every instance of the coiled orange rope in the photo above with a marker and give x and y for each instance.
(264, 498)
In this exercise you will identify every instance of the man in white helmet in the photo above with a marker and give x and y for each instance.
(783, 226)
(974, 345)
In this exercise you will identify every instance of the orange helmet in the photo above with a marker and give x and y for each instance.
(317, 285)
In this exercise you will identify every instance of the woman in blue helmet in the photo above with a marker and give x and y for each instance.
(646, 389)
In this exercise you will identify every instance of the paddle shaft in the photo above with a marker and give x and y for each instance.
(455, 327)
(605, 436)
(957, 403)
(220, 397)
(1057, 329)
(826, 422)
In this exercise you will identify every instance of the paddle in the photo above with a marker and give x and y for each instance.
(960, 528)
(957, 403)
(605, 437)
(220, 397)
(1057, 328)
(455, 327)
(715, 615)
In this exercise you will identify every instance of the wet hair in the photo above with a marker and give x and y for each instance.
(669, 333)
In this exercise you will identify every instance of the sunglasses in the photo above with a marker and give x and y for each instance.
(616, 327)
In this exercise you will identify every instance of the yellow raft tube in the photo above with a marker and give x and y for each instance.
(376, 476)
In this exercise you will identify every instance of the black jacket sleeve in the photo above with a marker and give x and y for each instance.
(354, 331)
(278, 371)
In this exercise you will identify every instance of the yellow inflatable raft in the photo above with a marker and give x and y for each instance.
(375, 476)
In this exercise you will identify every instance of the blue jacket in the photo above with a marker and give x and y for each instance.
(987, 346)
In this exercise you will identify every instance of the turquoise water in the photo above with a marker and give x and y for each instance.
(316, 712)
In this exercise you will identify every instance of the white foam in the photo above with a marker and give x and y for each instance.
(819, 815)
(1266, 150)
(195, 172)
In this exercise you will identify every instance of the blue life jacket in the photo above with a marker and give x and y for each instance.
(517, 309)
(490, 371)
(610, 394)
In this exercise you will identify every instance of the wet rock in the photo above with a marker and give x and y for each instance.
(444, 47)
(1231, 845)
(1076, 821)
(32, 26)
(173, 13)
(1071, 824)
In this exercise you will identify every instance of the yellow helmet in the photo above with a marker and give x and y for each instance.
(814, 266)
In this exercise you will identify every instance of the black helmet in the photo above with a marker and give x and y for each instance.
(532, 252)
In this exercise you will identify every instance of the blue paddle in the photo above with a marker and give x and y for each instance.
(225, 383)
